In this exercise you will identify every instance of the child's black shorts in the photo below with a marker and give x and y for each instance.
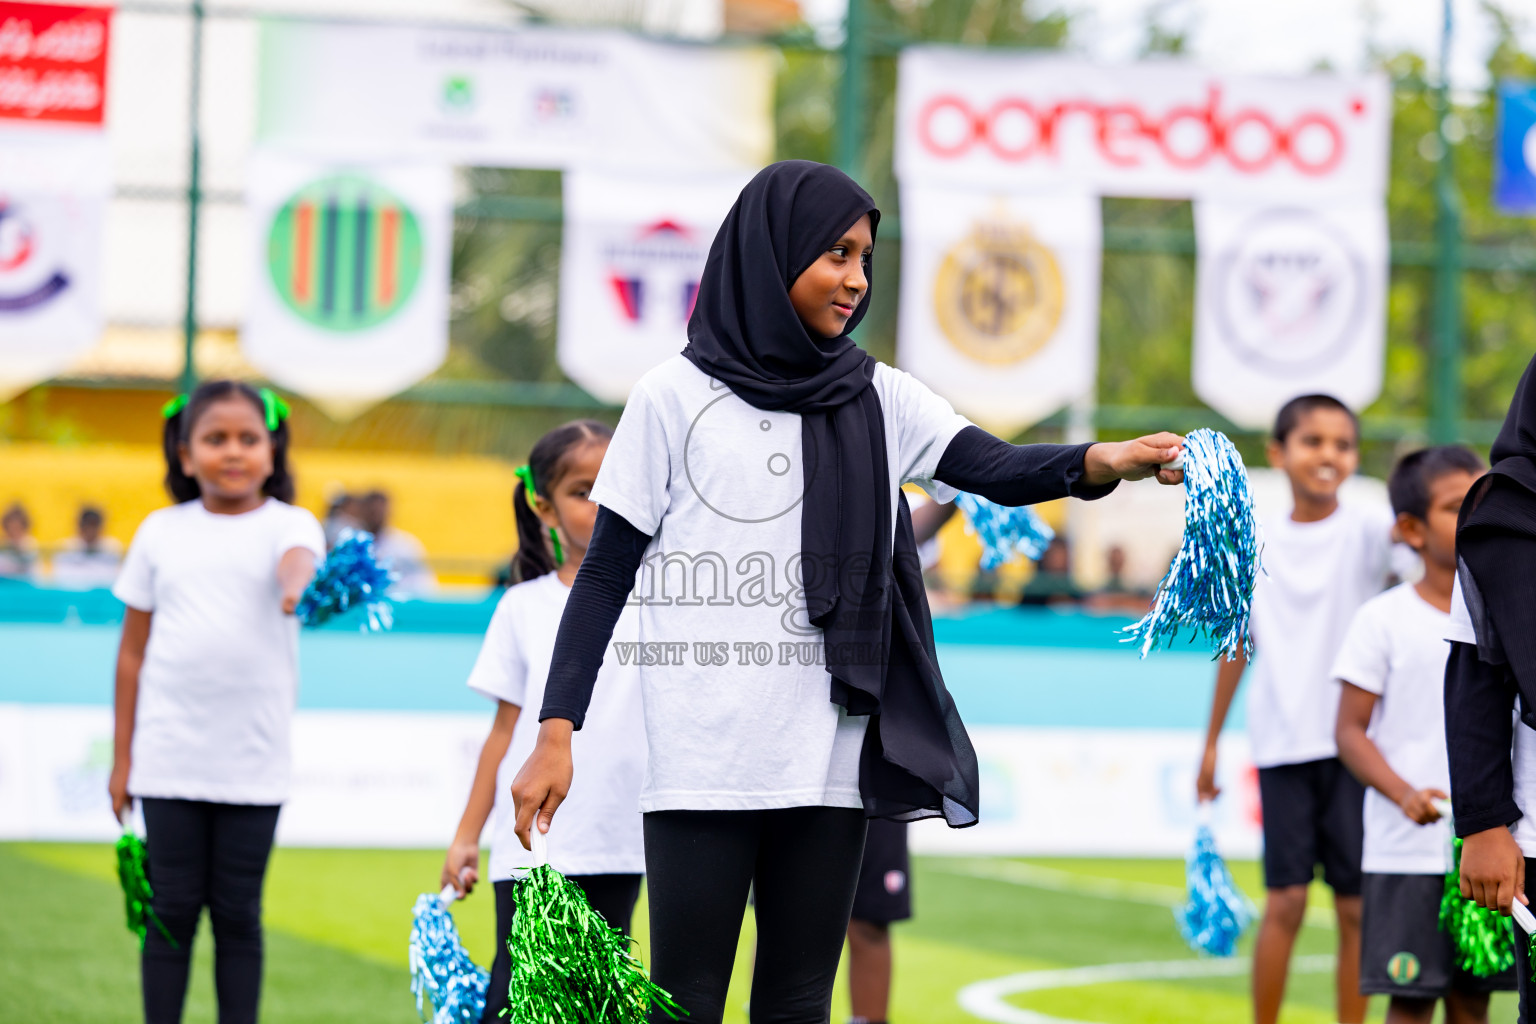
(1403, 952)
(885, 878)
(1313, 814)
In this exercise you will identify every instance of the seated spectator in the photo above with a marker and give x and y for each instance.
(344, 513)
(18, 548)
(88, 559)
(1052, 583)
(404, 553)
(1116, 595)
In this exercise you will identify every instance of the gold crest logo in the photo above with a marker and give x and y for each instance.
(998, 294)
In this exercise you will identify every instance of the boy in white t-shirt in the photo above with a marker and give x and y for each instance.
(1391, 735)
(1320, 564)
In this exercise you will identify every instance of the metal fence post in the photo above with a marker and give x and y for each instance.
(1445, 359)
(850, 97)
(194, 199)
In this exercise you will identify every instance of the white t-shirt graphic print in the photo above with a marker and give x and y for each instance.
(1394, 650)
(221, 670)
(737, 697)
(597, 830)
(1315, 576)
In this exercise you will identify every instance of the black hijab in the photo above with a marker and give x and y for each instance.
(866, 594)
(1496, 547)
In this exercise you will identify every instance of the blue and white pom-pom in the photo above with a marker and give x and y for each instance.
(448, 987)
(350, 576)
(1004, 531)
(1209, 586)
(1215, 913)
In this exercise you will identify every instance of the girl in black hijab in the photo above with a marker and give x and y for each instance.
(1491, 673)
(763, 769)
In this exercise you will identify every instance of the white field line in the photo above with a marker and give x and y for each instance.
(1055, 880)
(988, 999)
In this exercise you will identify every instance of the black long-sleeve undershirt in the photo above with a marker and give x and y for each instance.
(1479, 727)
(974, 461)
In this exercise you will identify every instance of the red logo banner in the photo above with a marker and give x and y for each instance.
(53, 63)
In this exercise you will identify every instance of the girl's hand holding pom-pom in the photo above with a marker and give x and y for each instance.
(462, 867)
(117, 788)
(1147, 456)
(544, 779)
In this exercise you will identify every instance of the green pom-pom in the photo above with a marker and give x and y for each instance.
(568, 965)
(134, 878)
(1484, 939)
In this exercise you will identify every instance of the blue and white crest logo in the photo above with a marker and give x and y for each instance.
(29, 274)
(1290, 292)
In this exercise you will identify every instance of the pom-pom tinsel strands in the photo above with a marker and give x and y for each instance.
(1216, 913)
(568, 965)
(1209, 586)
(350, 575)
(133, 875)
(1004, 532)
(1484, 944)
(441, 971)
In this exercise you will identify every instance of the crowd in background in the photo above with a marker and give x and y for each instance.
(88, 559)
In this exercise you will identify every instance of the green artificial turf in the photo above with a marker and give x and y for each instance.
(337, 924)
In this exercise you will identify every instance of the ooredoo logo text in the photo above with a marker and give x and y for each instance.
(1130, 133)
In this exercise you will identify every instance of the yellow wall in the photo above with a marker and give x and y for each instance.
(460, 506)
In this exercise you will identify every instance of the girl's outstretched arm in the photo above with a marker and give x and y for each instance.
(462, 868)
(294, 571)
(602, 585)
(1025, 474)
(125, 703)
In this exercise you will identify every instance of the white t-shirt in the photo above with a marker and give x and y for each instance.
(1459, 629)
(1395, 649)
(737, 697)
(1315, 576)
(221, 671)
(596, 831)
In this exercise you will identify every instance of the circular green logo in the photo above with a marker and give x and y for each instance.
(344, 253)
(1403, 968)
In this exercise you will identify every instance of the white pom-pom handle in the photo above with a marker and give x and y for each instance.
(1177, 463)
(450, 891)
(540, 844)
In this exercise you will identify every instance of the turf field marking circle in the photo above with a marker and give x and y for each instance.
(988, 999)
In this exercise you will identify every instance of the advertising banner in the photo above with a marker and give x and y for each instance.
(536, 97)
(633, 250)
(350, 299)
(53, 63)
(1514, 165)
(1288, 301)
(1014, 121)
(53, 200)
(1000, 300)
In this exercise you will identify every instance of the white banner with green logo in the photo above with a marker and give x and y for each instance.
(1000, 300)
(350, 300)
(525, 97)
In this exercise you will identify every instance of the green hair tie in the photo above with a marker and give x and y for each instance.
(275, 408)
(525, 474)
(174, 406)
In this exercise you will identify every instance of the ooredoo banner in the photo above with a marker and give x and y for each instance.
(527, 97)
(1172, 130)
(633, 251)
(53, 63)
(1289, 300)
(1000, 300)
(350, 300)
(53, 200)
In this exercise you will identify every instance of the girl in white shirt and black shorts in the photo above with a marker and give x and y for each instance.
(786, 649)
(207, 678)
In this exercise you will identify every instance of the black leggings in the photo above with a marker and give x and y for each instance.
(803, 866)
(612, 896)
(214, 855)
